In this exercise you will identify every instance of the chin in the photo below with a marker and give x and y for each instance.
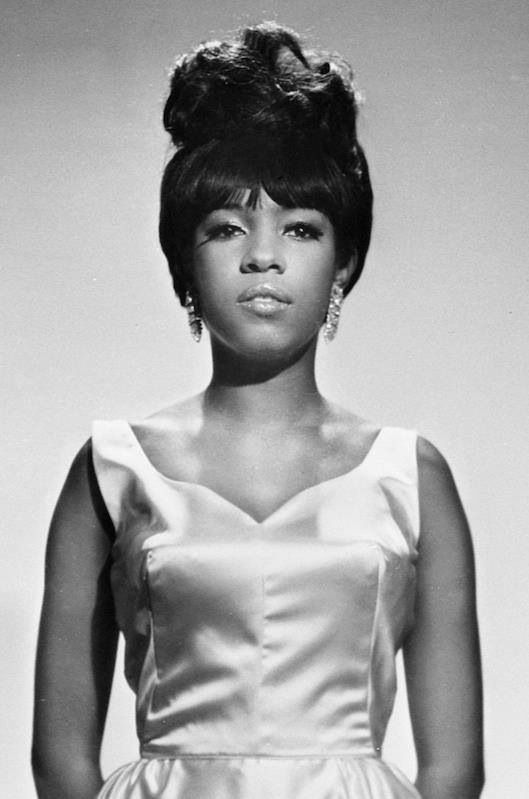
(272, 347)
(263, 342)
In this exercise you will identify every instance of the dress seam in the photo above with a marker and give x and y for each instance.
(369, 697)
(262, 755)
(259, 692)
(151, 613)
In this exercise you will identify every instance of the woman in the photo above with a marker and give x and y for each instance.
(264, 552)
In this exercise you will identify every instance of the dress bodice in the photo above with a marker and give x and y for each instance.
(262, 651)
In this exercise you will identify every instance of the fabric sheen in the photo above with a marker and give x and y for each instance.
(262, 654)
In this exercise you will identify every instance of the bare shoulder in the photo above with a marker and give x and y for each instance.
(77, 483)
(434, 471)
(429, 457)
(80, 495)
(80, 527)
(443, 520)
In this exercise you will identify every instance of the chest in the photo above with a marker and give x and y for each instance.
(258, 472)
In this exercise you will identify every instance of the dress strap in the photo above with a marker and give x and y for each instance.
(126, 478)
(113, 458)
(394, 458)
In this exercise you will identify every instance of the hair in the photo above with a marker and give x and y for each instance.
(259, 113)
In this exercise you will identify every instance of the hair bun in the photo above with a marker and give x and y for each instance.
(262, 83)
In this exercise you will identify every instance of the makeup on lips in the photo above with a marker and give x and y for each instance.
(264, 299)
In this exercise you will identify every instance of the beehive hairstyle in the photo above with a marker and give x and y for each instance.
(259, 112)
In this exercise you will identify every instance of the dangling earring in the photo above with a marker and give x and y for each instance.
(193, 316)
(330, 327)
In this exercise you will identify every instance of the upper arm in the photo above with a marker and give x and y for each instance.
(442, 651)
(78, 634)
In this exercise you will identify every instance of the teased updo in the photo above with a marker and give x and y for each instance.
(261, 113)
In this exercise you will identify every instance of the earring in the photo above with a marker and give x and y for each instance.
(332, 318)
(193, 316)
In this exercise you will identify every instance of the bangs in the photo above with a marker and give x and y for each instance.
(295, 174)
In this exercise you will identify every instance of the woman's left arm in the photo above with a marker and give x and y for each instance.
(441, 654)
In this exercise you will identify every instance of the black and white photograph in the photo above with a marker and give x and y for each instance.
(265, 360)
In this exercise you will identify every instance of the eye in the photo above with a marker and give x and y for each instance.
(223, 230)
(303, 230)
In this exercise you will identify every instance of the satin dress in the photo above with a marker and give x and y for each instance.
(262, 654)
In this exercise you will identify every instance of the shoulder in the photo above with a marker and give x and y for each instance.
(443, 522)
(76, 517)
(78, 478)
(81, 497)
(429, 456)
(434, 473)
(432, 465)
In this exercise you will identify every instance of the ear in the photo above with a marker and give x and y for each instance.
(346, 270)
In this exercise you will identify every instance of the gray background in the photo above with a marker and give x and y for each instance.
(434, 337)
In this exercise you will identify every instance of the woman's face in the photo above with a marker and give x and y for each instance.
(263, 275)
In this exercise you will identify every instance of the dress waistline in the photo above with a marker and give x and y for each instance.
(160, 755)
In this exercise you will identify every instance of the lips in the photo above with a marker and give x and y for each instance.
(265, 292)
(264, 301)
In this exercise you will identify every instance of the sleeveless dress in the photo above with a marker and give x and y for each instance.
(262, 654)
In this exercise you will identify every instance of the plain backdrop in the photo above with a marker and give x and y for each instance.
(434, 337)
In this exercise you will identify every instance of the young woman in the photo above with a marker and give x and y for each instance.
(264, 552)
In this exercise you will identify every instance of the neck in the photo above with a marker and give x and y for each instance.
(265, 392)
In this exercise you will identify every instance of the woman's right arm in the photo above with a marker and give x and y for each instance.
(77, 643)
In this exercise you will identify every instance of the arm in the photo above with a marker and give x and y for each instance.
(77, 643)
(441, 653)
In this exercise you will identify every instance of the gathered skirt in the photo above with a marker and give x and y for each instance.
(259, 777)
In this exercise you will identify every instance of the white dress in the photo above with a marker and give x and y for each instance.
(262, 654)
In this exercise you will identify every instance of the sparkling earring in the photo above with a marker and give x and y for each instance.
(330, 327)
(193, 316)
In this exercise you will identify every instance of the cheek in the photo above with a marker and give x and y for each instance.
(215, 292)
(209, 275)
(318, 302)
(316, 281)
(213, 298)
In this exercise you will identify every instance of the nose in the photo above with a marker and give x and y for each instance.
(263, 254)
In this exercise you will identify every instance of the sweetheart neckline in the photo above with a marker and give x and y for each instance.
(267, 519)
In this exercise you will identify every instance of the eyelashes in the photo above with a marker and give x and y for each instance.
(223, 231)
(299, 230)
(304, 230)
